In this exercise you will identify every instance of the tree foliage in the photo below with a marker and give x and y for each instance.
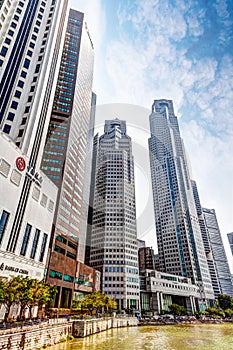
(96, 301)
(178, 310)
(26, 292)
(225, 301)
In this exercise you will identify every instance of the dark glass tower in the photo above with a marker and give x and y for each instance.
(65, 159)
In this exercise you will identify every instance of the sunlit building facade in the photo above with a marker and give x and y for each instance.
(113, 241)
(31, 33)
(206, 240)
(180, 244)
(65, 158)
(219, 254)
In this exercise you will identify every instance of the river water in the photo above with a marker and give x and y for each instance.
(182, 337)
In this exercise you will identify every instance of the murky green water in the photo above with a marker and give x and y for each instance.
(184, 337)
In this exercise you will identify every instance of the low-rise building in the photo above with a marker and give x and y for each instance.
(158, 290)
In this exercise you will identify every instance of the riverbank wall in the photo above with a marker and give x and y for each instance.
(36, 336)
(83, 328)
(57, 330)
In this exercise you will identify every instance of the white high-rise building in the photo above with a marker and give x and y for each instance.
(180, 244)
(31, 33)
(113, 238)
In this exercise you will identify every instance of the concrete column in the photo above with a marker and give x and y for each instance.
(194, 304)
(191, 304)
(161, 301)
(158, 303)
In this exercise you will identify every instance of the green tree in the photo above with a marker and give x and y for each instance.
(225, 301)
(10, 293)
(228, 312)
(178, 310)
(96, 301)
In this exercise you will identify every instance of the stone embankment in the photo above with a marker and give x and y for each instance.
(52, 332)
(83, 328)
(35, 336)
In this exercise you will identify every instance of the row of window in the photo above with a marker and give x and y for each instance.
(58, 275)
(3, 223)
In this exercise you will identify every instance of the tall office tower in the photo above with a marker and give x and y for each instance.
(65, 159)
(219, 254)
(230, 239)
(206, 240)
(31, 33)
(114, 236)
(180, 245)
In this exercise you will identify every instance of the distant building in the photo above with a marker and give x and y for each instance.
(206, 240)
(180, 245)
(146, 258)
(219, 254)
(141, 243)
(113, 238)
(230, 239)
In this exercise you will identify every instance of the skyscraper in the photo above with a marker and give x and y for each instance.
(230, 239)
(30, 36)
(65, 159)
(113, 239)
(180, 245)
(219, 254)
(206, 240)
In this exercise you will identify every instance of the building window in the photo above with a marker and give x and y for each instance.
(20, 134)
(55, 274)
(26, 63)
(60, 250)
(17, 93)
(61, 239)
(7, 128)
(34, 244)
(10, 32)
(43, 247)
(25, 240)
(11, 116)
(14, 104)
(72, 245)
(4, 51)
(3, 222)
(8, 41)
(23, 74)
(21, 83)
(24, 121)
(68, 278)
(71, 255)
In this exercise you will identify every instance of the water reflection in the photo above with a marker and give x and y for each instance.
(185, 337)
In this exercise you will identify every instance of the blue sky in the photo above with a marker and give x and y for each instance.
(180, 50)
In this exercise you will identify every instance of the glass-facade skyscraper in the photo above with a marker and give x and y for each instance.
(113, 238)
(219, 254)
(65, 159)
(206, 240)
(180, 244)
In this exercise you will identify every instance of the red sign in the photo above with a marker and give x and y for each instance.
(20, 163)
